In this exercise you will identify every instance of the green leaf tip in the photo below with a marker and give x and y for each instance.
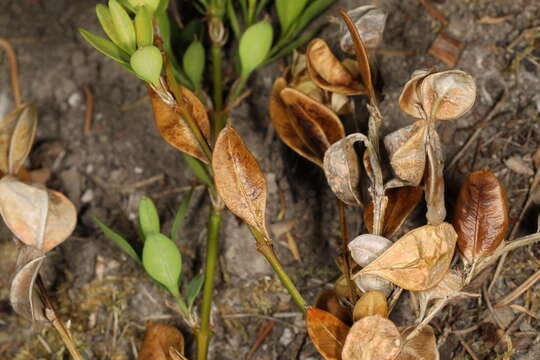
(147, 63)
(193, 62)
(123, 26)
(118, 239)
(148, 217)
(106, 47)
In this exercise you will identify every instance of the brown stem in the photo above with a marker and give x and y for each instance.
(346, 257)
(13, 71)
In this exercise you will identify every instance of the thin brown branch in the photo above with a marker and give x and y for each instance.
(14, 72)
(526, 285)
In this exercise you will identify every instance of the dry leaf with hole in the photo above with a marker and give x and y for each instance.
(407, 152)
(239, 179)
(481, 215)
(327, 333)
(372, 338)
(434, 185)
(401, 203)
(342, 170)
(159, 340)
(370, 303)
(370, 21)
(38, 217)
(174, 129)
(448, 287)
(367, 247)
(421, 347)
(23, 296)
(328, 301)
(328, 72)
(418, 260)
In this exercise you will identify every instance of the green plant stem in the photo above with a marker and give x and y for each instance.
(182, 305)
(204, 333)
(265, 248)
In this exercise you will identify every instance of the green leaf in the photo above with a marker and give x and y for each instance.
(162, 7)
(127, 6)
(105, 19)
(233, 19)
(193, 290)
(148, 217)
(106, 47)
(310, 12)
(199, 169)
(162, 261)
(123, 26)
(193, 62)
(288, 11)
(143, 27)
(147, 63)
(152, 5)
(254, 46)
(118, 239)
(180, 215)
(293, 45)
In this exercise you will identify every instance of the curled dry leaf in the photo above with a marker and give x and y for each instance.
(173, 128)
(239, 179)
(481, 215)
(342, 170)
(407, 151)
(371, 303)
(410, 97)
(328, 301)
(38, 217)
(421, 347)
(448, 287)
(367, 247)
(370, 282)
(418, 260)
(328, 72)
(159, 340)
(401, 203)
(23, 296)
(370, 22)
(327, 333)
(434, 185)
(372, 338)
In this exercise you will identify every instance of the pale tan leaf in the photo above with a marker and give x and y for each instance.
(327, 333)
(159, 340)
(418, 260)
(22, 138)
(372, 338)
(239, 179)
(421, 347)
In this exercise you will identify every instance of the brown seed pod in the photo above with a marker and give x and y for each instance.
(158, 340)
(371, 303)
(372, 338)
(481, 215)
(328, 72)
(370, 282)
(367, 247)
(410, 99)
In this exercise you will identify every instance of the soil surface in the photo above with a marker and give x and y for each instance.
(108, 298)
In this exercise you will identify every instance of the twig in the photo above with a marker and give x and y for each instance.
(519, 290)
(490, 307)
(89, 110)
(467, 347)
(393, 301)
(14, 72)
(434, 12)
(264, 332)
(438, 306)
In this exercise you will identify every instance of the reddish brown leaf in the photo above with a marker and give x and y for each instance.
(239, 179)
(327, 333)
(173, 128)
(159, 340)
(372, 338)
(401, 203)
(481, 215)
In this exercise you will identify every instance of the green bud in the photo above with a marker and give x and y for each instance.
(162, 261)
(148, 217)
(193, 62)
(147, 62)
(151, 4)
(106, 47)
(254, 46)
(143, 27)
(123, 26)
(288, 11)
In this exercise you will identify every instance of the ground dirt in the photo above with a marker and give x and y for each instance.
(108, 298)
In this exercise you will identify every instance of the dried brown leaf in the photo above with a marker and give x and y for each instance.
(328, 72)
(407, 151)
(421, 347)
(327, 333)
(22, 138)
(159, 340)
(239, 179)
(418, 260)
(481, 215)
(370, 303)
(410, 98)
(342, 170)
(282, 120)
(174, 129)
(401, 203)
(7, 125)
(328, 301)
(434, 185)
(370, 22)
(449, 286)
(372, 338)
(38, 217)
(23, 296)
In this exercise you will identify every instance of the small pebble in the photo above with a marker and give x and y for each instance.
(138, 170)
(87, 196)
(75, 99)
(287, 337)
